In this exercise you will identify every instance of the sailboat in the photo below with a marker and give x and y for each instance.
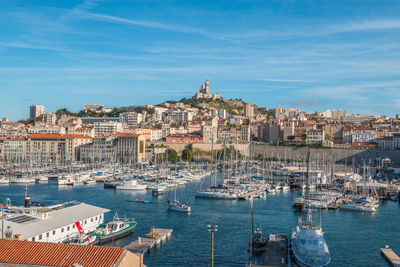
(176, 205)
(216, 191)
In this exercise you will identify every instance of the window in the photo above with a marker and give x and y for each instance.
(47, 234)
(73, 226)
(68, 228)
(96, 218)
(33, 238)
(62, 230)
(40, 237)
(54, 232)
(91, 219)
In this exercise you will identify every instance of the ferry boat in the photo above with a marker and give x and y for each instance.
(115, 229)
(308, 244)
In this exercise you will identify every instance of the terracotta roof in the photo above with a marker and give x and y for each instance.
(58, 136)
(126, 135)
(54, 254)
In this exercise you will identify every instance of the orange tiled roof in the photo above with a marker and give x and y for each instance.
(54, 254)
(126, 135)
(58, 136)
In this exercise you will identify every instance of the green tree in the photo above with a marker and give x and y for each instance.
(187, 154)
(172, 155)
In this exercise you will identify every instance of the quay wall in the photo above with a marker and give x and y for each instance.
(342, 155)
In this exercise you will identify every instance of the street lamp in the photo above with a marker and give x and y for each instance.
(212, 229)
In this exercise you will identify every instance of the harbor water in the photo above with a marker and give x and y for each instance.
(354, 238)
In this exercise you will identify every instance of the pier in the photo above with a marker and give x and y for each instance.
(391, 256)
(149, 241)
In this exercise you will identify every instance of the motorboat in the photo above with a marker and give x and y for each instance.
(308, 244)
(130, 185)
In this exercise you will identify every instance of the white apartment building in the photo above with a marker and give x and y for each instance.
(156, 134)
(35, 111)
(55, 147)
(49, 118)
(179, 115)
(315, 137)
(209, 133)
(131, 118)
(14, 150)
(107, 128)
(220, 113)
(102, 149)
(45, 129)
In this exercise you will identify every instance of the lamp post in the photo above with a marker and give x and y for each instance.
(212, 229)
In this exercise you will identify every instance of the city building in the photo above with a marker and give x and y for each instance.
(105, 128)
(49, 118)
(180, 115)
(184, 138)
(131, 118)
(130, 148)
(315, 137)
(52, 148)
(13, 150)
(209, 133)
(248, 110)
(220, 113)
(36, 111)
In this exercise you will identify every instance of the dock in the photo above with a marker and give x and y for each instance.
(276, 254)
(155, 237)
(391, 256)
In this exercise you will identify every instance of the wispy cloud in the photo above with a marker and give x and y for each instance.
(142, 23)
(306, 102)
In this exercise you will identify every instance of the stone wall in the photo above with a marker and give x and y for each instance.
(267, 150)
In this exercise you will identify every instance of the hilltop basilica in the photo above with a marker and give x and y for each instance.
(204, 92)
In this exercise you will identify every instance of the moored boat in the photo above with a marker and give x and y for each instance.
(115, 229)
(308, 244)
(83, 239)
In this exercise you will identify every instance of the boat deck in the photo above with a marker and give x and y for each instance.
(276, 252)
(149, 241)
(391, 256)
(251, 193)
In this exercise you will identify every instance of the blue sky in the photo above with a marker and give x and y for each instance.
(314, 55)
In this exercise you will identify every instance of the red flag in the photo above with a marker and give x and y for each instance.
(79, 227)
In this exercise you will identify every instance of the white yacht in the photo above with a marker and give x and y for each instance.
(4, 180)
(22, 180)
(309, 246)
(216, 194)
(131, 185)
(358, 206)
(41, 179)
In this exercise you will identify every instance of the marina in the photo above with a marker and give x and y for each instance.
(275, 214)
